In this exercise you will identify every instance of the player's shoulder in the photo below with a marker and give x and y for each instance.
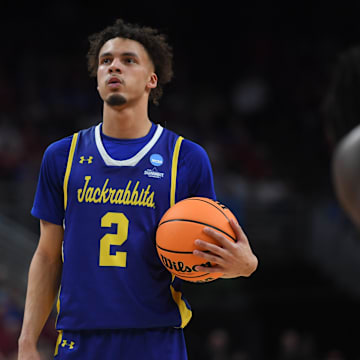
(193, 151)
(192, 146)
(188, 146)
(59, 147)
(62, 146)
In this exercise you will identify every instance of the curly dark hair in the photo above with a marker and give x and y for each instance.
(156, 45)
(341, 104)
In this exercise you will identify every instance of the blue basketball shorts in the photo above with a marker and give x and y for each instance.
(128, 344)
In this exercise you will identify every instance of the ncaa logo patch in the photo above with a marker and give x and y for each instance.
(156, 160)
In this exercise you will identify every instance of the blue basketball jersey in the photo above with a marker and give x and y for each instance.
(112, 277)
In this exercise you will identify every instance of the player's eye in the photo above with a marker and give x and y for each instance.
(129, 60)
(105, 61)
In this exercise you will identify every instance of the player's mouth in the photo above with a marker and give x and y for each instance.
(114, 82)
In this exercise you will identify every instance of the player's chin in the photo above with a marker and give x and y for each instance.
(116, 99)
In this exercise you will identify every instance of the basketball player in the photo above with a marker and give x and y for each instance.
(342, 118)
(100, 196)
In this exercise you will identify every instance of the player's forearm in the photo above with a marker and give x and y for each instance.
(43, 285)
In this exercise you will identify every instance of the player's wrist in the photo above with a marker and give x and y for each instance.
(27, 342)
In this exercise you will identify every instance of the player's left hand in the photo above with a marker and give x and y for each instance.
(232, 259)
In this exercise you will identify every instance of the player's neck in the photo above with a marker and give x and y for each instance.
(125, 123)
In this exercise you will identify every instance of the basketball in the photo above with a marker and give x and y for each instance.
(178, 229)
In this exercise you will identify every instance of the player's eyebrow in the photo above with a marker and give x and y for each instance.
(126, 53)
(130, 54)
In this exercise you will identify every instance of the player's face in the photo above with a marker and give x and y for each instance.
(125, 72)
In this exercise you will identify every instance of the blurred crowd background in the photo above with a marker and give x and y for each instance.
(251, 84)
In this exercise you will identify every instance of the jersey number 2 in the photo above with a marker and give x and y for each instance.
(119, 258)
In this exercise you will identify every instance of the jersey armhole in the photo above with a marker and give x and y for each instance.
(68, 167)
(174, 168)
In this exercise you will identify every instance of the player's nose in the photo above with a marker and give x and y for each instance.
(115, 66)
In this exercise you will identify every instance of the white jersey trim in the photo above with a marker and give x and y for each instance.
(133, 161)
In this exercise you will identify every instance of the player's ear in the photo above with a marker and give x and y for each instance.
(152, 82)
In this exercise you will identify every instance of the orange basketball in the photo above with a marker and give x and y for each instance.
(180, 226)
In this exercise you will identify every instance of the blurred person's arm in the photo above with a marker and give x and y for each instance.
(43, 287)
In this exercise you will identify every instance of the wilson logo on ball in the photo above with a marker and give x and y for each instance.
(180, 266)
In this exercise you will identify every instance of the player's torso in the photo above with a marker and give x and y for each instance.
(112, 276)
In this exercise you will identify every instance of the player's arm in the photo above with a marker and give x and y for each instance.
(43, 285)
(232, 259)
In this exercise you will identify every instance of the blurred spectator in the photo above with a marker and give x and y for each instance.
(239, 355)
(10, 323)
(250, 94)
(217, 345)
(334, 355)
(11, 148)
(294, 346)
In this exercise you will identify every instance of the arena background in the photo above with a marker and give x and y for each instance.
(249, 85)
